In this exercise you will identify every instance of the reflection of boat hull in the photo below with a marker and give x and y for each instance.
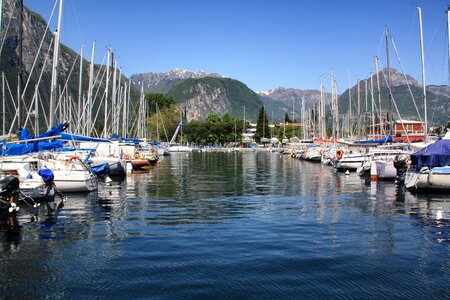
(437, 178)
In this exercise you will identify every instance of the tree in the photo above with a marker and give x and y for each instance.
(286, 118)
(163, 101)
(262, 125)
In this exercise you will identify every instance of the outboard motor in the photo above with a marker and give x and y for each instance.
(401, 164)
(9, 190)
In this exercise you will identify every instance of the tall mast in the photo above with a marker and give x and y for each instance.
(389, 114)
(378, 92)
(90, 91)
(372, 127)
(350, 133)
(244, 121)
(359, 110)
(20, 68)
(423, 74)
(80, 87)
(55, 69)
(105, 120)
(448, 39)
(3, 104)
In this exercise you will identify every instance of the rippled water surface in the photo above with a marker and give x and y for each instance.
(231, 225)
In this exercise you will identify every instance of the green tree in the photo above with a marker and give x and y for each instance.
(286, 118)
(262, 125)
(161, 100)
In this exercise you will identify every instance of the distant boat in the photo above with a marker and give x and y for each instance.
(178, 147)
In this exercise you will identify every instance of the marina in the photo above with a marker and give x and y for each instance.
(174, 185)
(245, 225)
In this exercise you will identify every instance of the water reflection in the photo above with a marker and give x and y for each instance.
(258, 220)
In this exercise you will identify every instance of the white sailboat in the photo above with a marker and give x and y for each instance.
(174, 147)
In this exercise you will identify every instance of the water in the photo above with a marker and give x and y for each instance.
(231, 225)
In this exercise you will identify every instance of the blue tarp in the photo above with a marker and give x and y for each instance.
(101, 170)
(25, 148)
(387, 139)
(24, 135)
(82, 138)
(433, 155)
(46, 174)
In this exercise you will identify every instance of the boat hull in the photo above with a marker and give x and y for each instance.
(437, 178)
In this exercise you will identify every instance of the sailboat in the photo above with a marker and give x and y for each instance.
(174, 147)
(430, 166)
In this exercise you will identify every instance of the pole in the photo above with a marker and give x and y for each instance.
(423, 74)
(53, 90)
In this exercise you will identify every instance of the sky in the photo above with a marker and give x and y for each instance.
(263, 43)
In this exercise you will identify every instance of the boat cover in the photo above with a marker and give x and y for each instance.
(387, 139)
(30, 147)
(101, 170)
(46, 174)
(433, 155)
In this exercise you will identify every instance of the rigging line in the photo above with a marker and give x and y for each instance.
(7, 27)
(407, 81)
(42, 107)
(395, 105)
(39, 50)
(95, 99)
(67, 81)
(38, 83)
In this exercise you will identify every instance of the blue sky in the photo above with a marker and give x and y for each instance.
(265, 44)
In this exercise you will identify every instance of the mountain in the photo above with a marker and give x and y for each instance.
(282, 100)
(163, 82)
(215, 95)
(438, 101)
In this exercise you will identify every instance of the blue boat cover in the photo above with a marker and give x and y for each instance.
(101, 170)
(433, 155)
(46, 174)
(387, 139)
(25, 148)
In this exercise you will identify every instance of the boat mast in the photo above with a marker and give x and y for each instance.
(350, 133)
(359, 109)
(378, 92)
(423, 74)
(90, 92)
(372, 127)
(3, 104)
(388, 114)
(20, 68)
(105, 120)
(448, 39)
(55, 69)
(80, 86)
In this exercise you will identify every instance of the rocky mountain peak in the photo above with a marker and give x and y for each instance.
(163, 82)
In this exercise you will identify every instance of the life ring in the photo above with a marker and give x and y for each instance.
(339, 154)
(75, 157)
(127, 157)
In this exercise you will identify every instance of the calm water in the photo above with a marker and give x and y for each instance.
(248, 226)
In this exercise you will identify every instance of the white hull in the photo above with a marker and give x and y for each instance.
(385, 170)
(179, 149)
(349, 163)
(437, 178)
(73, 182)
